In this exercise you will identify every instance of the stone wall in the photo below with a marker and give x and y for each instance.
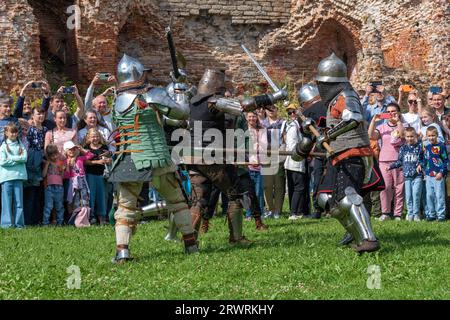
(397, 41)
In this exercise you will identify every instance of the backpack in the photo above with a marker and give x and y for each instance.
(80, 217)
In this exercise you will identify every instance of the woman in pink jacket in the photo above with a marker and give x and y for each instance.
(391, 135)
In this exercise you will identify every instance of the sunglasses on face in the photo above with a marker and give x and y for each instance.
(412, 101)
(291, 112)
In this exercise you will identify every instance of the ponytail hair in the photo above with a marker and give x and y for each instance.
(10, 128)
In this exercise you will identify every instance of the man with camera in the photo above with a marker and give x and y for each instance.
(99, 103)
(23, 105)
(382, 100)
(57, 104)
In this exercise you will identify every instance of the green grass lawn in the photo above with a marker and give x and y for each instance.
(293, 260)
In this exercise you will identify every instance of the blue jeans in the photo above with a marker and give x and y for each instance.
(413, 194)
(97, 196)
(54, 198)
(257, 179)
(435, 198)
(12, 200)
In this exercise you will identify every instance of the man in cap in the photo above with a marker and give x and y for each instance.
(350, 165)
(143, 154)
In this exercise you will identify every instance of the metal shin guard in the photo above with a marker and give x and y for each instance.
(352, 214)
(183, 221)
(121, 256)
(235, 221)
(172, 229)
(323, 200)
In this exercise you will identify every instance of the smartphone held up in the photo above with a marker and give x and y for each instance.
(36, 85)
(69, 90)
(104, 76)
(407, 88)
(385, 116)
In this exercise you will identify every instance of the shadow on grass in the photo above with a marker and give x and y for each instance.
(299, 223)
(395, 241)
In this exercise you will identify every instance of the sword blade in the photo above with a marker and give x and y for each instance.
(261, 69)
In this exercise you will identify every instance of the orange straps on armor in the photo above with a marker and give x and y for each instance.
(128, 151)
(354, 152)
(128, 134)
(125, 222)
(128, 142)
(130, 126)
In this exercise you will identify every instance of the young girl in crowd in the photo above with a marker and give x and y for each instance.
(434, 165)
(78, 190)
(13, 173)
(53, 173)
(409, 159)
(429, 119)
(32, 191)
(95, 168)
(258, 148)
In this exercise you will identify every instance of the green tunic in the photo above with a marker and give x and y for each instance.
(142, 138)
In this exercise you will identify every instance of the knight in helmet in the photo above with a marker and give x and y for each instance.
(143, 154)
(350, 165)
(208, 109)
(315, 112)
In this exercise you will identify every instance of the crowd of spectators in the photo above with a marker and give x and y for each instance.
(55, 162)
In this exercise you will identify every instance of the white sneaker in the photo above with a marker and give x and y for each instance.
(409, 218)
(276, 215)
(268, 215)
(398, 219)
(293, 217)
(417, 219)
(384, 217)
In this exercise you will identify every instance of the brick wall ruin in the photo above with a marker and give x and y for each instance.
(399, 41)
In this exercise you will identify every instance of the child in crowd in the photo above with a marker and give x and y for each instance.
(35, 137)
(95, 168)
(13, 157)
(78, 190)
(434, 165)
(53, 174)
(372, 199)
(409, 159)
(446, 127)
(429, 119)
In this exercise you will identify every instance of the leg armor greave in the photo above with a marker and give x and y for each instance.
(352, 214)
(235, 220)
(172, 229)
(323, 200)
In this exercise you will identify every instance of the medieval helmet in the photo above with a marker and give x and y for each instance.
(130, 70)
(307, 93)
(332, 69)
(212, 82)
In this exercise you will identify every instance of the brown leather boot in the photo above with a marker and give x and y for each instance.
(260, 225)
(205, 226)
(243, 241)
(190, 243)
(366, 246)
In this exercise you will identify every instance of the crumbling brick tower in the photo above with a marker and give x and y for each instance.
(399, 41)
